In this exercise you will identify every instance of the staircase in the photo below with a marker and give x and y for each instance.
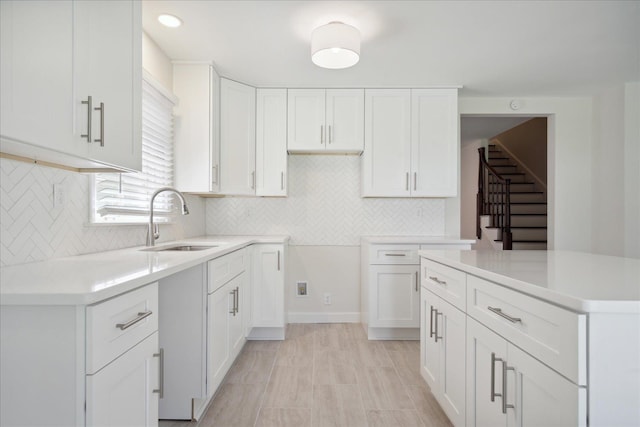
(528, 206)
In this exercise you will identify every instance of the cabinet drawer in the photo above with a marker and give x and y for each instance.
(225, 268)
(446, 282)
(553, 335)
(394, 254)
(116, 325)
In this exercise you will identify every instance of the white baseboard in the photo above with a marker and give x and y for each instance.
(345, 317)
(267, 334)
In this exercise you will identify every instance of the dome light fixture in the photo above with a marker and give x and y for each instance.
(335, 45)
(170, 21)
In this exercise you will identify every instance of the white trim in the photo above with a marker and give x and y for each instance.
(406, 334)
(267, 334)
(341, 317)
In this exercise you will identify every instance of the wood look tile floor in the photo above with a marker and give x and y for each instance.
(324, 375)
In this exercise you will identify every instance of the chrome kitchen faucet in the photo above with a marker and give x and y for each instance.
(153, 232)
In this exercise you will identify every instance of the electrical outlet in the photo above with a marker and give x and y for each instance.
(327, 298)
(301, 289)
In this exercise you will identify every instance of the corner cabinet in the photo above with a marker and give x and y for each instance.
(325, 121)
(237, 138)
(411, 143)
(86, 113)
(271, 142)
(197, 130)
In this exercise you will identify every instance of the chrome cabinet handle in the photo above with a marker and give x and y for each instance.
(406, 184)
(141, 316)
(282, 180)
(233, 305)
(500, 313)
(438, 281)
(395, 254)
(278, 260)
(237, 300)
(321, 134)
(330, 134)
(505, 368)
(417, 281)
(431, 321)
(494, 359)
(101, 109)
(160, 390)
(214, 179)
(415, 181)
(89, 104)
(435, 329)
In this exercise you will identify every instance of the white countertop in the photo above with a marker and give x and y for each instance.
(87, 279)
(417, 240)
(579, 281)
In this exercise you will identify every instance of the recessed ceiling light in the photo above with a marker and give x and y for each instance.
(169, 20)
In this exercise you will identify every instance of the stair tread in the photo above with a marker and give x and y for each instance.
(523, 241)
(528, 203)
(521, 226)
(529, 214)
(517, 192)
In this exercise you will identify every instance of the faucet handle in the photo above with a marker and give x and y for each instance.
(156, 231)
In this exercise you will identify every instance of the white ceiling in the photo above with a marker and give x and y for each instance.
(492, 48)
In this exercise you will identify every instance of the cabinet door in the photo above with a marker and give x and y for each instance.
(122, 393)
(108, 37)
(236, 326)
(237, 138)
(196, 139)
(36, 74)
(345, 120)
(541, 396)
(484, 376)
(271, 142)
(395, 296)
(219, 306)
(451, 326)
(386, 161)
(434, 142)
(268, 286)
(306, 114)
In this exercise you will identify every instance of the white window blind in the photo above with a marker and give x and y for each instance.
(124, 197)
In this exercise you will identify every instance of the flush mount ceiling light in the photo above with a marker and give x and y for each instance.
(169, 20)
(335, 45)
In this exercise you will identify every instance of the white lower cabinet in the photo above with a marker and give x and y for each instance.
(125, 392)
(267, 292)
(226, 313)
(395, 292)
(508, 387)
(442, 354)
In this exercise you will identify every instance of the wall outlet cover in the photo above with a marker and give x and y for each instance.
(301, 289)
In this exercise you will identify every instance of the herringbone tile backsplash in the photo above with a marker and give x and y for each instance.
(32, 228)
(324, 207)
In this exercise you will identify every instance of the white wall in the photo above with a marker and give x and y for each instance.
(632, 169)
(325, 217)
(569, 162)
(156, 62)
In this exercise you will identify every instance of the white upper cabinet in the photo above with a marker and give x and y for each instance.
(37, 74)
(109, 70)
(237, 138)
(434, 142)
(386, 161)
(325, 121)
(55, 55)
(411, 143)
(271, 142)
(197, 118)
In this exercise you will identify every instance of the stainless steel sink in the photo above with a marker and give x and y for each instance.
(182, 248)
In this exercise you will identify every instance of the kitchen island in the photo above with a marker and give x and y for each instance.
(532, 338)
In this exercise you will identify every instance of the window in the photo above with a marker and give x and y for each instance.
(124, 197)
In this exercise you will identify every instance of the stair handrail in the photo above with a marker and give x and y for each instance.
(493, 203)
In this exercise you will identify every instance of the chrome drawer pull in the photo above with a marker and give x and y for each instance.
(499, 312)
(438, 281)
(395, 254)
(141, 316)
